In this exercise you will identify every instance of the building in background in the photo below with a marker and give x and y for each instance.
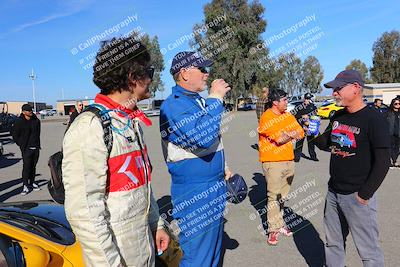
(14, 107)
(384, 91)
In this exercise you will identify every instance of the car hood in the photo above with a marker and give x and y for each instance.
(44, 209)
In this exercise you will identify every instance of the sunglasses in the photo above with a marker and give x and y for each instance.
(204, 70)
(337, 89)
(395, 104)
(150, 72)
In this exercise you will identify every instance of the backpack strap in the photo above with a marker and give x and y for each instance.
(105, 120)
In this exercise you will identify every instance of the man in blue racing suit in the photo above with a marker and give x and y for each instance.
(194, 153)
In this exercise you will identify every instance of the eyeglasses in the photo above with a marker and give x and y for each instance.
(337, 89)
(395, 104)
(204, 70)
(150, 72)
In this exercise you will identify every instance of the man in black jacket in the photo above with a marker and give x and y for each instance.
(358, 138)
(26, 134)
(303, 113)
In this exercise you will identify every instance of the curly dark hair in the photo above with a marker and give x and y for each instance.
(391, 107)
(118, 61)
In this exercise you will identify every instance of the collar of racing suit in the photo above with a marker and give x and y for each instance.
(132, 114)
(180, 90)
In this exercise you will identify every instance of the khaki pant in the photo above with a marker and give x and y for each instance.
(279, 177)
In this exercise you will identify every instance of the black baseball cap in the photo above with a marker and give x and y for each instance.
(187, 59)
(26, 107)
(276, 95)
(308, 96)
(345, 77)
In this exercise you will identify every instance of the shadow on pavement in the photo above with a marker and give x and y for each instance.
(6, 141)
(227, 243)
(258, 197)
(255, 147)
(6, 162)
(306, 238)
(18, 190)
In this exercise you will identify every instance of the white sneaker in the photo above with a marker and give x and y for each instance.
(35, 187)
(25, 190)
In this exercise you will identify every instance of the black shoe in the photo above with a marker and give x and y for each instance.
(314, 159)
(296, 160)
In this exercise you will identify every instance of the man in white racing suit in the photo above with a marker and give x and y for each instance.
(108, 197)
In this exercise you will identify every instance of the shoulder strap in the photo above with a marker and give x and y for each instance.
(105, 120)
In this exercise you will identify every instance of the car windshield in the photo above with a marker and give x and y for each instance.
(326, 104)
(46, 228)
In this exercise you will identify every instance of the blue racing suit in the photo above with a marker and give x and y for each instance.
(193, 150)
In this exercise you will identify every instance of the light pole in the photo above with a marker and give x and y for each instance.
(33, 77)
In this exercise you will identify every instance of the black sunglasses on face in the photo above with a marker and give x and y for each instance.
(204, 69)
(150, 72)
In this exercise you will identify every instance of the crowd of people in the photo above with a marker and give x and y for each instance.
(106, 167)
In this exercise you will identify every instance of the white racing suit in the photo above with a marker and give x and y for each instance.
(108, 199)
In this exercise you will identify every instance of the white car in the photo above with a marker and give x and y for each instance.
(293, 104)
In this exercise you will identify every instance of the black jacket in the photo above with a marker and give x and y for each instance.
(302, 109)
(23, 129)
(391, 117)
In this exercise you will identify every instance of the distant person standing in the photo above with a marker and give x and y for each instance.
(26, 134)
(261, 105)
(378, 105)
(75, 113)
(303, 113)
(358, 138)
(394, 131)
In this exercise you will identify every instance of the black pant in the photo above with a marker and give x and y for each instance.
(299, 148)
(395, 148)
(29, 158)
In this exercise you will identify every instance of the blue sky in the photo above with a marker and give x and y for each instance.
(40, 34)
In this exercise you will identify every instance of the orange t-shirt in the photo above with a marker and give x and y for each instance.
(270, 128)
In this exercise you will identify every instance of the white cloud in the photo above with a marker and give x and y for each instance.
(69, 8)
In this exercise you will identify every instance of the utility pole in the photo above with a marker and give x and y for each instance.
(33, 78)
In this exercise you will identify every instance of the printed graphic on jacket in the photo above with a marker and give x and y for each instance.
(127, 172)
(343, 139)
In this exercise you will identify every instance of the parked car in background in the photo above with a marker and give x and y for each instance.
(328, 110)
(228, 106)
(6, 121)
(48, 112)
(291, 105)
(294, 98)
(247, 106)
(151, 112)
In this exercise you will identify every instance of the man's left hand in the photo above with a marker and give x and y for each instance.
(361, 200)
(161, 239)
(228, 174)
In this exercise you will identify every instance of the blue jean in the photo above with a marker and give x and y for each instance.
(344, 214)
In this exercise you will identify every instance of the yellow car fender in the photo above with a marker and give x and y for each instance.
(35, 256)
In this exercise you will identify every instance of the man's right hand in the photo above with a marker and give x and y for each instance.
(219, 88)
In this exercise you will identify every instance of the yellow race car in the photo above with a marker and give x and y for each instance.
(328, 110)
(37, 234)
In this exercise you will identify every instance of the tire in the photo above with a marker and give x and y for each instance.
(331, 114)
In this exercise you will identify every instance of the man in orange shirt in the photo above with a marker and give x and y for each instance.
(277, 130)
